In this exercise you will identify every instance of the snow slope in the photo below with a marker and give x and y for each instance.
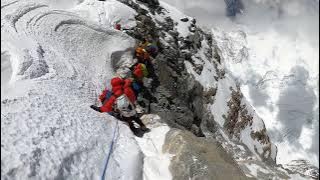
(106, 13)
(156, 163)
(56, 57)
(59, 62)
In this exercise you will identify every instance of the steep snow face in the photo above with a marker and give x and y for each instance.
(56, 63)
(174, 13)
(156, 162)
(107, 13)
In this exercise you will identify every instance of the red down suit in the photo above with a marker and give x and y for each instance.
(119, 87)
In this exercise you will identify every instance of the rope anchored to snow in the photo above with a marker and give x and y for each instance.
(110, 152)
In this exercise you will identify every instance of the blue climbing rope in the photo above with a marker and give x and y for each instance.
(110, 152)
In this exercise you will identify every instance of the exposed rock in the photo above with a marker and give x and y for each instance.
(185, 19)
(199, 158)
(192, 28)
(260, 136)
(186, 55)
(169, 24)
(304, 168)
(198, 68)
(197, 131)
(209, 94)
(193, 21)
(216, 55)
(173, 33)
(238, 119)
(151, 3)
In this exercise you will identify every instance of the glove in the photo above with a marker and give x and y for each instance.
(139, 109)
(95, 108)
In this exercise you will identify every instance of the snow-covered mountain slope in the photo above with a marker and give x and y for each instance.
(59, 63)
(57, 56)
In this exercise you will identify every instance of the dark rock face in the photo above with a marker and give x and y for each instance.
(152, 3)
(179, 96)
(185, 19)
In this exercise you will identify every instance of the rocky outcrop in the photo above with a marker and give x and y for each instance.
(238, 119)
(179, 96)
(199, 158)
(151, 3)
(304, 168)
(183, 102)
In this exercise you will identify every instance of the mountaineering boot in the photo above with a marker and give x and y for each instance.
(96, 108)
(145, 129)
(135, 130)
(142, 126)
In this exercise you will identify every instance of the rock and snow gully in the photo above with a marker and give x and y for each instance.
(62, 54)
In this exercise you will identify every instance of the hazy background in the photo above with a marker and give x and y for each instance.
(291, 17)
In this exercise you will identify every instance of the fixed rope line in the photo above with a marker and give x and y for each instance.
(110, 151)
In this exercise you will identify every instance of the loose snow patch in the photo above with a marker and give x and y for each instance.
(254, 169)
(176, 15)
(156, 163)
(107, 13)
(220, 106)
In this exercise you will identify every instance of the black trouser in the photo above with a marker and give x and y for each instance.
(152, 74)
(130, 120)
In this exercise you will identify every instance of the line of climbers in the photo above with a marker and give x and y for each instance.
(121, 100)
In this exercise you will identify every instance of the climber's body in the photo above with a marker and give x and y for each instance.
(117, 26)
(120, 104)
(121, 101)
